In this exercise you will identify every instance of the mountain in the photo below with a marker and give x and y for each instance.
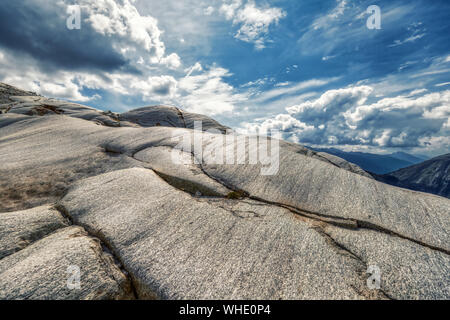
(375, 163)
(145, 209)
(413, 159)
(431, 176)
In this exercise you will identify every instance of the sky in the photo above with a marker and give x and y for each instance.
(313, 70)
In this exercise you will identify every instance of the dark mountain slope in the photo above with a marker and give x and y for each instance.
(376, 163)
(431, 176)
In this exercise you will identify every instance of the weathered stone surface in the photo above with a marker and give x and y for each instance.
(40, 271)
(179, 247)
(7, 91)
(178, 168)
(169, 117)
(282, 242)
(341, 163)
(41, 156)
(40, 106)
(311, 185)
(19, 229)
(408, 270)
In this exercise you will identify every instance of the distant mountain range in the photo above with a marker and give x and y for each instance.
(376, 163)
(431, 176)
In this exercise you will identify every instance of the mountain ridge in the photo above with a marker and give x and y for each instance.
(376, 163)
(431, 176)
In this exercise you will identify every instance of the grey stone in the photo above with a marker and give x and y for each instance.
(278, 236)
(43, 270)
(168, 116)
(407, 269)
(7, 91)
(19, 229)
(312, 185)
(41, 156)
(178, 247)
(178, 168)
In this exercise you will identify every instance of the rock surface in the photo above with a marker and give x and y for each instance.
(184, 226)
(167, 116)
(43, 270)
(19, 229)
(179, 247)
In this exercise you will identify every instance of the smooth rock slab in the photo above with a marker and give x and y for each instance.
(168, 116)
(179, 247)
(178, 169)
(408, 270)
(310, 184)
(40, 271)
(19, 229)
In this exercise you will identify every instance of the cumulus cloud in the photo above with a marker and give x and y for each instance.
(253, 22)
(343, 117)
(288, 126)
(205, 91)
(24, 73)
(172, 61)
(208, 11)
(331, 104)
(160, 86)
(113, 37)
(118, 28)
(38, 29)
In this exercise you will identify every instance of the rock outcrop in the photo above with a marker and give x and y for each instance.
(431, 176)
(129, 200)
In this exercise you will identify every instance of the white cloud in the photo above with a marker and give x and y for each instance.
(110, 17)
(160, 85)
(291, 89)
(61, 84)
(172, 61)
(229, 9)
(344, 27)
(132, 34)
(343, 117)
(289, 126)
(408, 39)
(254, 22)
(209, 11)
(326, 58)
(207, 92)
(324, 21)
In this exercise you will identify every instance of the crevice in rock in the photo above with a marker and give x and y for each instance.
(44, 109)
(347, 223)
(186, 185)
(336, 221)
(350, 223)
(241, 214)
(180, 114)
(341, 249)
(107, 248)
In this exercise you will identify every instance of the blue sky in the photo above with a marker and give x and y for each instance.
(311, 69)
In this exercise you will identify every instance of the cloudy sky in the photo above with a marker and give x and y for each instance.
(312, 69)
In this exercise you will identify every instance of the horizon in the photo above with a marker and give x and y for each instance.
(314, 71)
